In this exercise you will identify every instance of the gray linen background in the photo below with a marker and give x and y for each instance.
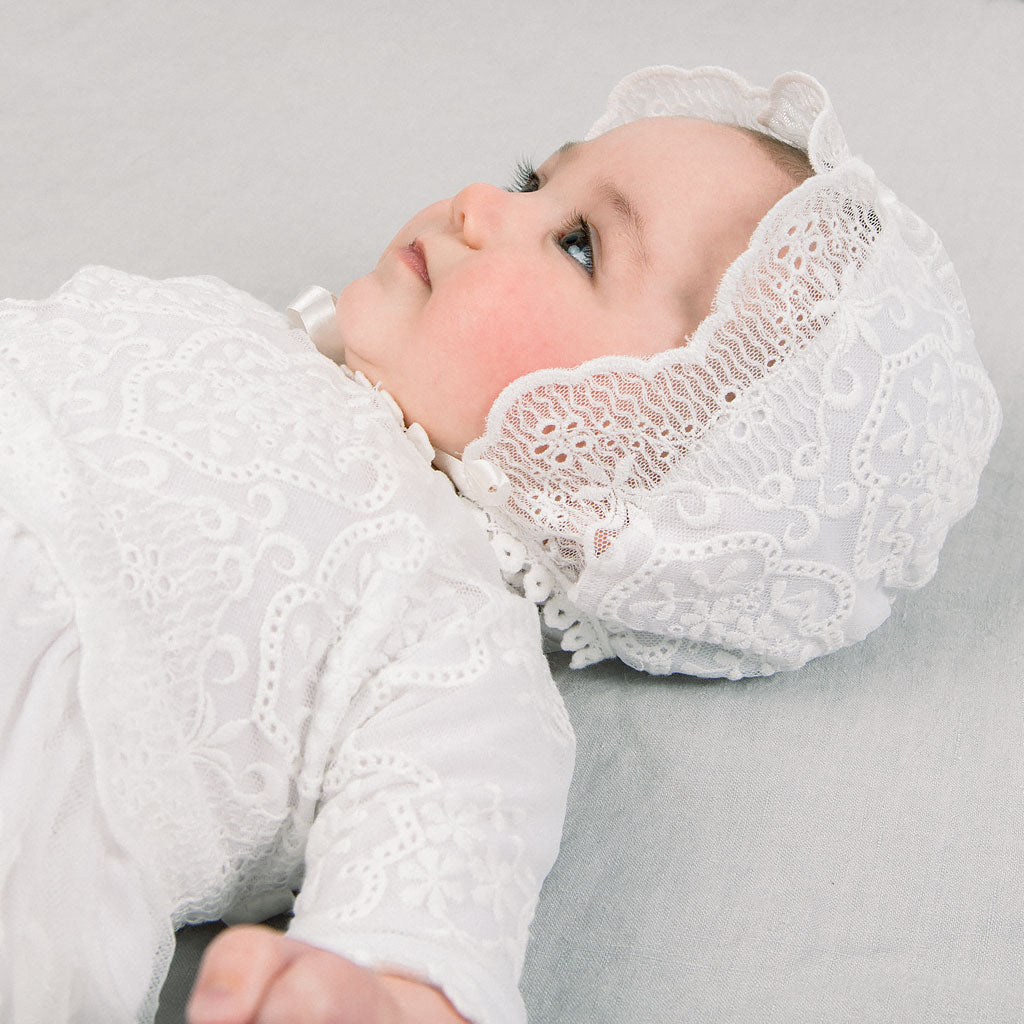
(843, 843)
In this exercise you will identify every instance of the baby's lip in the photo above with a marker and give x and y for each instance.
(415, 259)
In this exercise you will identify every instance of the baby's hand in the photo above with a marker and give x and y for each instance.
(252, 974)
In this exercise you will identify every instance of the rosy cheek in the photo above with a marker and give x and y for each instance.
(522, 339)
(509, 322)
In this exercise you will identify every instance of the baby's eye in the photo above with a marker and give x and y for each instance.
(524, 178)
(574, 235)
(574, 238)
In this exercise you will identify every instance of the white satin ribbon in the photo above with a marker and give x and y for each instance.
(312, 311)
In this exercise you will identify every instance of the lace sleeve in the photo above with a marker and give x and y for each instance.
(443, 809)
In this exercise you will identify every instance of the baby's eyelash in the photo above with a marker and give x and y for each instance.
(574, 236)
(524, 178)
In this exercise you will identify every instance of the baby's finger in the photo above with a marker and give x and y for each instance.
(236, 970)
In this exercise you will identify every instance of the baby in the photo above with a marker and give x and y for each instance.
(710, 409)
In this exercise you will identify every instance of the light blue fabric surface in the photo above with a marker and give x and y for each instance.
(845, 843)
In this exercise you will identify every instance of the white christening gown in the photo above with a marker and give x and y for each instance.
(249, 639)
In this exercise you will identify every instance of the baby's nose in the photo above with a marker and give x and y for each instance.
(478, 212)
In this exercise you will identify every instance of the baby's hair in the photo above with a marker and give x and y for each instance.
(788, 159)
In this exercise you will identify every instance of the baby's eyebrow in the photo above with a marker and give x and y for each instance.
(628, 216)
(566, 148)
(630, 219)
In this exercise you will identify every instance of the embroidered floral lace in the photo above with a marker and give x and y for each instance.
(291, 646)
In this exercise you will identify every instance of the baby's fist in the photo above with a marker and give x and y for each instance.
(252, 974)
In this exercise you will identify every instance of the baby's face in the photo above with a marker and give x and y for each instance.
(613, 246)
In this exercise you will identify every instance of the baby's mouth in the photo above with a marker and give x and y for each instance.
(412, 256)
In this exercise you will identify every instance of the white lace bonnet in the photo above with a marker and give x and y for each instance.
(758, 497)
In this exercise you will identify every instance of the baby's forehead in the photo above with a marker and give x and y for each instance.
(661, 136)
(670, 125)
(700, 144)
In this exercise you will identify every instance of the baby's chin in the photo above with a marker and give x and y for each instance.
(356, 323)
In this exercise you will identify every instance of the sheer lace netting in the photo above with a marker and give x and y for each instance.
(756, 498)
